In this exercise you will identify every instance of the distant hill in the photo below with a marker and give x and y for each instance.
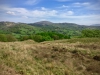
(18, 29)
(7, 23)
(43, 26)
(65, 28)
(43, 23)
(50, 25)
(95, 25)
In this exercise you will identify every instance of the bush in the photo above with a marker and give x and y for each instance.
(37, 38)
(10, 38)
(7, 38)
(22, 38)
(3, 38)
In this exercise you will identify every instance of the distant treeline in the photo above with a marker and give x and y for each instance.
(45, 36)
(90, 33)
(48, 36)
(40, 37)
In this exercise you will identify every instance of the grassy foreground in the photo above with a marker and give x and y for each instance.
(62, 57)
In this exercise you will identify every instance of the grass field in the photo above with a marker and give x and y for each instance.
(79, 56)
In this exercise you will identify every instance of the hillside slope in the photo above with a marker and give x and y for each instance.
(63, 57)
(43, 26)
(18, 29)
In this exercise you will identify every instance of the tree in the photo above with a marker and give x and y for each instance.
(47, 38)
(37, 38)
(22, 38)
(55, 37)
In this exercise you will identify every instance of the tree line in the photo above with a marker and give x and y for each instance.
(90, 33)
(45, 36)
(40, 37)
(48, 36)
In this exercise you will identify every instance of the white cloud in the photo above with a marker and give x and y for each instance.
(88, 5)
(38, 13)
(66, 14)
(70, 12)
(31, 13)
(94, 6)
(63, 0)
(32, 2)
(20, 10)
(43, 8)
(82, 19)
(85, 3)
(43, 19)
(52, 13)
(10, 12)
(24, 17)
(64, 6)
(77, 4)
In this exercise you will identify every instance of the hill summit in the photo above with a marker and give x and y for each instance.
(44, 23)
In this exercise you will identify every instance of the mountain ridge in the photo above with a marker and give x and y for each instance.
(95, 25)
(45, 23)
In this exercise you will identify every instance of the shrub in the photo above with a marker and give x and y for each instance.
(3, 38)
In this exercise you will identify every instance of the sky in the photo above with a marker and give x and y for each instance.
(83, 12)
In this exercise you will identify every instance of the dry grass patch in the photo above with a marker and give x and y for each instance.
(49, 58)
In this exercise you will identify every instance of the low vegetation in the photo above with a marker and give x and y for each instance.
(60, 57)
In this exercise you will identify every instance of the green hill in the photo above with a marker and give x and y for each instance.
(64, 28)
(18, 29)
(43, 27)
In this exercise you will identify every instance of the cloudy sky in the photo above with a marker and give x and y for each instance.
(84, 12)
